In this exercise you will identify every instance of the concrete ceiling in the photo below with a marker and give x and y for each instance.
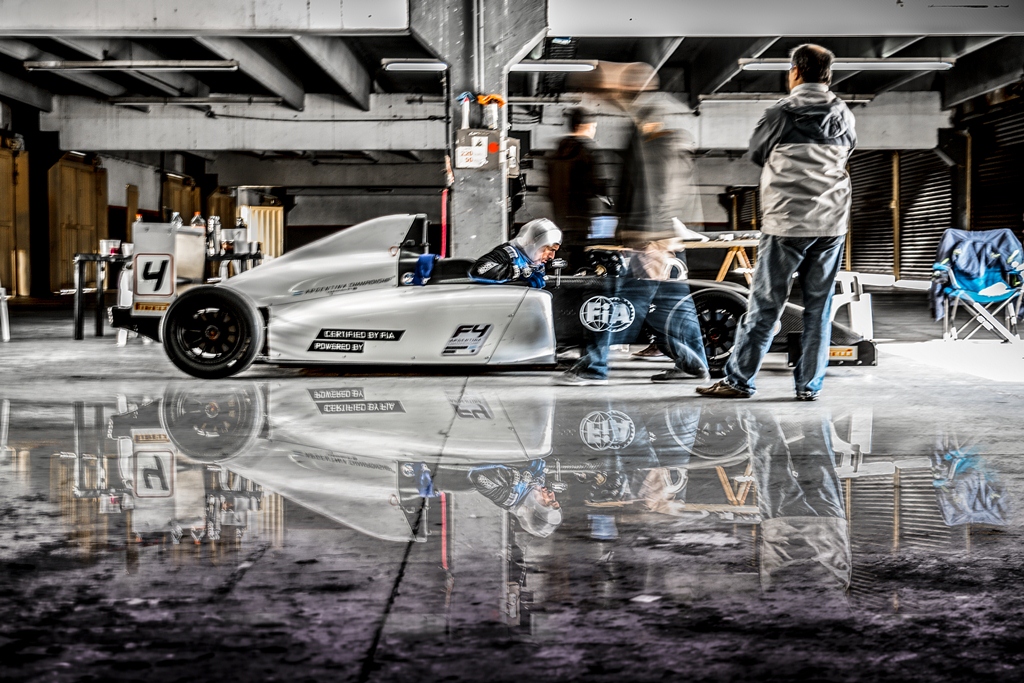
(314, 68)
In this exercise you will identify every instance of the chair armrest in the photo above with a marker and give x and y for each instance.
(940, 270)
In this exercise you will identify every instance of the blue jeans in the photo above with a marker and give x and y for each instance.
(795, 478)
(816, 261)
(668, 307)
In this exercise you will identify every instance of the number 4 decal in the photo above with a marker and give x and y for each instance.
(154, 275)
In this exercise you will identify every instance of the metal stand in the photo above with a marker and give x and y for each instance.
(5, 321)
(242, 262)
(101, 261)
(983, 319)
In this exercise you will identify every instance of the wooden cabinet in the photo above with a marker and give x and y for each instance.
(14, 230)
(181, 195)
(221, 204)
(78, 216)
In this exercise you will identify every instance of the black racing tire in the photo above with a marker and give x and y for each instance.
(211, 423)
(212, 332)
(719, 314)
(721, 435)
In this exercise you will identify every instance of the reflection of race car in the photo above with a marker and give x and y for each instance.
(350, 449)
(356, 297)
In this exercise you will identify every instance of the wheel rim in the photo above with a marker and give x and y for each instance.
(209, 336)
(720, 434)
(211, 424)
(718, 331)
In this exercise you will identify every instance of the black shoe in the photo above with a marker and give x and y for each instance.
(807, 395)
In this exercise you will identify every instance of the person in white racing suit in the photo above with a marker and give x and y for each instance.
(521, 259)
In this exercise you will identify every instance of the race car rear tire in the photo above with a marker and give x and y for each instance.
(719, 314)
(212, 332)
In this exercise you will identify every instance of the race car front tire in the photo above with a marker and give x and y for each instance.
(212, 332)
(212, 424)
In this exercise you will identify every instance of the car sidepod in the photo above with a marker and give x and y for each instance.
(450, 325)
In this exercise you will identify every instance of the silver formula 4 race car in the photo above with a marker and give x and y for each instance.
(354, 298)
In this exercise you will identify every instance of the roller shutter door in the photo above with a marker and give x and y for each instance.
(998, 180)
(871, 224)
(926, 211)
(749, 207)
(8, 241)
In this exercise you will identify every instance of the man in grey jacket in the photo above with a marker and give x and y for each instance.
(802, 144)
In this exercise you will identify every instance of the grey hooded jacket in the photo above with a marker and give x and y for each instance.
(802, 144)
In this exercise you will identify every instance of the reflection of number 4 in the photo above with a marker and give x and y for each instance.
(159, 275)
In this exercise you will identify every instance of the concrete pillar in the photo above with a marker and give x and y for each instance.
(478, 39)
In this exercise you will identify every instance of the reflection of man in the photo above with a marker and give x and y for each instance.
(804, 539)
(802, 143)
(520, 490)
(574, 186)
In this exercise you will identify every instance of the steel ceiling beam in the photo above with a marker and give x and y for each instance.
(326, 124)
(658, 53)
(1000, 65)
(24, 52)
(139, 101)
(756, 49)
(972, 45)
(340, 63)
(23, 91)
(145, 65)
(189, 18)
(890, 48)
(258, 67)
(730, 18)
(170, 83)
(710, 78)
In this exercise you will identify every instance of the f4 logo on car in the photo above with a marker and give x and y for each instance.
(467, 340)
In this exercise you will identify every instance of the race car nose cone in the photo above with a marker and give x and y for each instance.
(212, 333)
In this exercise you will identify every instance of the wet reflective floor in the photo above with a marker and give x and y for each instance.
(495, 527)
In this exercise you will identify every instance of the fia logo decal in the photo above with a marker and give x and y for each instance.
(607, 314)
(607, 430)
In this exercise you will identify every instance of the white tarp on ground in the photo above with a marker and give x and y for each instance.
(991, 360)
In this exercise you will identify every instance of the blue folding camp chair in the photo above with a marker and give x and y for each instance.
(980, 272)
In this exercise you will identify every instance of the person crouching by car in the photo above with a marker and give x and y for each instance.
(521, 491)
(521, 259)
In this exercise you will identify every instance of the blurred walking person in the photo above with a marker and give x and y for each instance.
(658, 194)
(575, 187)
(657, 185)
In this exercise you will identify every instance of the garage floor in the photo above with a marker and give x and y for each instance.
(293, 525)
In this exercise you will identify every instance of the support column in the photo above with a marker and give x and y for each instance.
(478, 39)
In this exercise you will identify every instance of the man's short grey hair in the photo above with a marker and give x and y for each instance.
(813, 63)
